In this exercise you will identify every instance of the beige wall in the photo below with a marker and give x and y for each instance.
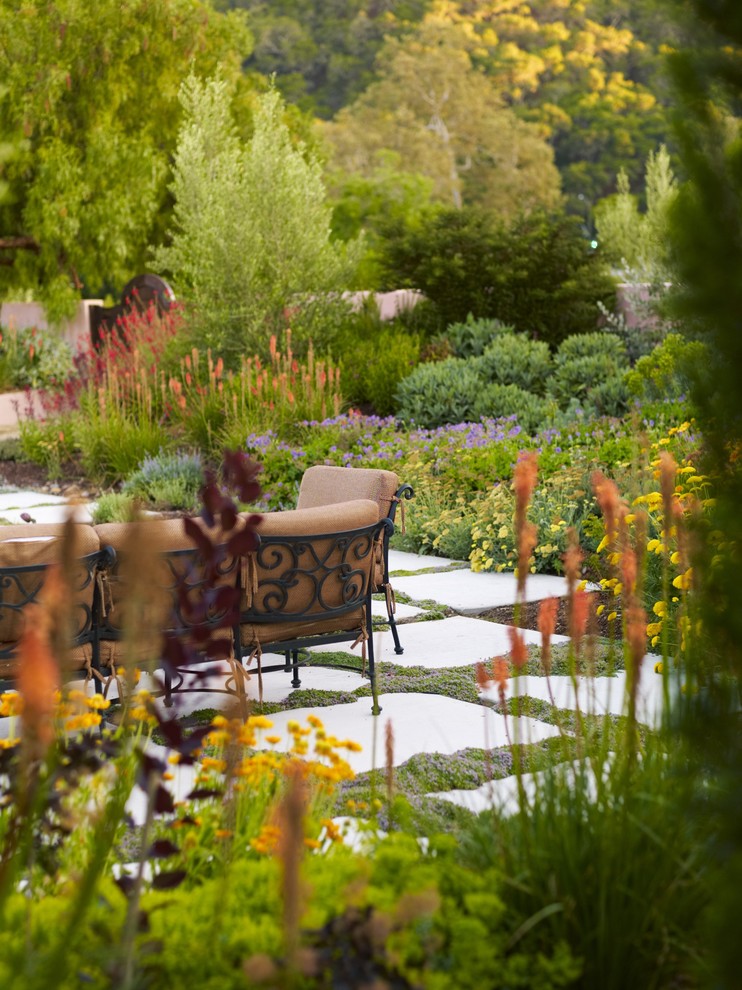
(75, 331)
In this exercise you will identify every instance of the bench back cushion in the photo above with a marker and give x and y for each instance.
(326, 485)
(303, 575)
(154, 559)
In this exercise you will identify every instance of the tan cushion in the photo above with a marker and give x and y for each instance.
(276, 561)
(146, 579)
(274, 633)
(327, 485)
(77, 659)
(38, 545)
(160, 534)
(311, 521)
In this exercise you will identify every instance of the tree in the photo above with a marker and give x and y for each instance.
(89, 107)
(638, 243)
(446, 120)
(707, 234)
(251, 230)
(537, 273)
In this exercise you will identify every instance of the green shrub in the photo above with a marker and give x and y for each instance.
(113, 507)
(590, 344)
(496, 401)
(574, 379)
(610, 397)
(538, 274)
(440, 392)
(373, 365)
(513, 359)
(472, 337)
(169, 480)
(668, 371)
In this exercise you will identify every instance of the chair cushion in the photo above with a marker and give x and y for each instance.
(326, 485)
(336, 517)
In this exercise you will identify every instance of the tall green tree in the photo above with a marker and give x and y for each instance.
(89, 117)
(636, 243)
(251, 232)
(446, 120)
(708, 245)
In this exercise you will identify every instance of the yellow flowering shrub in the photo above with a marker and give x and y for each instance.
(560, 501)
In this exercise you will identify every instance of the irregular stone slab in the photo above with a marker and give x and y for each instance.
(597, 695)
(504, 794)
(23, 499)
(378, 611)
(471, 593)
(422, 723)
(454, 642)
(276, 687)
(399, 560)
(59, 513)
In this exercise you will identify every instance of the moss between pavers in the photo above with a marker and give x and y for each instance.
(366, 795)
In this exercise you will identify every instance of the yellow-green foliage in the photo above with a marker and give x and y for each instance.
(560, 501)
(666, 372)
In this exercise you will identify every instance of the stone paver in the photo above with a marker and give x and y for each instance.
(401, 561)
(22, 500)
(378, 610)
(422, 723)
(454, 642)
(57, 513)
(471, 593)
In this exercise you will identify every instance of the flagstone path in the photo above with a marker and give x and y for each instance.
(422, 723)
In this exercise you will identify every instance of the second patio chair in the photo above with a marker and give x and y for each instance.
(329, 485)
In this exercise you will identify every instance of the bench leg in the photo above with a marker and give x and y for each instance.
(389, 595)
(168, 689)
(375, 706)
(295, 682)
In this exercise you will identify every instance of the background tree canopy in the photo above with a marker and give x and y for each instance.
(590, 73)
(88, 122)
(503, 105)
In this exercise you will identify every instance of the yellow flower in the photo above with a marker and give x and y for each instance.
(683, 581)
(98, 702)
(259, 722)
(600, 609)
(613, 616)
(273, 740)
(658, 667)
(659, 608)
(315, 722)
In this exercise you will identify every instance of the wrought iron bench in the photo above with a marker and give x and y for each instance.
(327, 485)
(26, 554)
(304, 590)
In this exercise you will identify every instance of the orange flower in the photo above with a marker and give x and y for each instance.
(628, 570)
(483, 680)
(518, 651)
(547, 614)
(572, 560)
(581, 602)
(38, 681)
(609, 501)
(500, 675)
